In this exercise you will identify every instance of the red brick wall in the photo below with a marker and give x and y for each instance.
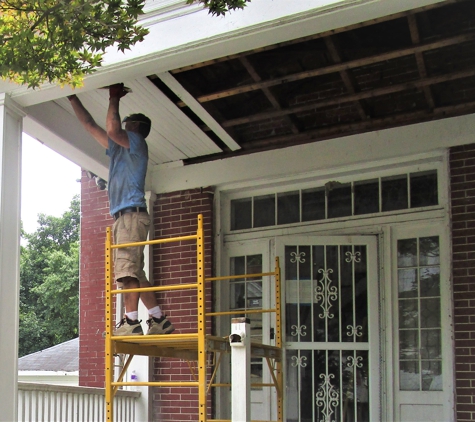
(462, 168)
(94, 220)
(175, 215)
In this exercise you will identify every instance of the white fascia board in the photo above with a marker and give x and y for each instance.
(53, 126)
(196, 37)
(341, 154)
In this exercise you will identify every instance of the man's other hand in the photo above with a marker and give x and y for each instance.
(117, 91)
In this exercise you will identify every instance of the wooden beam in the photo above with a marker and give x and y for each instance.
(359, 127)
(412, 21)
(418, 84)
(338, 67)
(347, 77)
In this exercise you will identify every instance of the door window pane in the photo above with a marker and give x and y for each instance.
(409, 344)
(407, 282)
(406, 253)
(430, 281)
(409, 376)
(408, 313)
(429, 251)
(432, 375)
(246, 294)
(430, 313)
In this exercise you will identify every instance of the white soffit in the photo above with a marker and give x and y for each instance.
(173, 137)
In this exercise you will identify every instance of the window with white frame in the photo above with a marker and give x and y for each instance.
(401, 191)
(419, 310)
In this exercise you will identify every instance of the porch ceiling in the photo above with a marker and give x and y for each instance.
(402, 69)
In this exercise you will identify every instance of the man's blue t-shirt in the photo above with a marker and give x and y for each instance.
(127, 170)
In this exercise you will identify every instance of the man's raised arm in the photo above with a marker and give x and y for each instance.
(99, 134)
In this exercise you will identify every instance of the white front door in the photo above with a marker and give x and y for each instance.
(331, 328)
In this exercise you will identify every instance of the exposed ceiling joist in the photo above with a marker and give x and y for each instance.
(407, 68)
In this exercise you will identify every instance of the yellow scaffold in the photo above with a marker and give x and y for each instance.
(191, 346)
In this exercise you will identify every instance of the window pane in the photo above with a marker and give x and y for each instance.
(424, 189)
(366, 197)
(288, 207)
(339, 201)
(264, 211)
(313, 204)
(241, 214)
(394, 193)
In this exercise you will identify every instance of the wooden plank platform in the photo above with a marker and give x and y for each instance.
(185, 346)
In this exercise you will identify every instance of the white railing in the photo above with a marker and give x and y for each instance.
(56, 403)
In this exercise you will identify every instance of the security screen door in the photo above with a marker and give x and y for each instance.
(331, 328)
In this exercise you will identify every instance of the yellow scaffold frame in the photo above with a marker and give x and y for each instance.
(190, 346)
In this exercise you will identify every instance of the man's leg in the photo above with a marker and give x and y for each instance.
(129, 325)
(157, 323)
(131, 300)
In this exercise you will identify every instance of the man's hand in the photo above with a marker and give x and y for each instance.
(117, 91)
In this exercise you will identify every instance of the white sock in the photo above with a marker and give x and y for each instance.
(134, 315)
(156, 312)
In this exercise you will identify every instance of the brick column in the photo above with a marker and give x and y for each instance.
(95, 219)
(175, 215)
(462, 183)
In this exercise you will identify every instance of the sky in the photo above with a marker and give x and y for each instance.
(49, 182)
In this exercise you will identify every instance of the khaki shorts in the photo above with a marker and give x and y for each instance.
(129, 262)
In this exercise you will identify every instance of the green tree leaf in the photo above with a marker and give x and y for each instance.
(62, 41)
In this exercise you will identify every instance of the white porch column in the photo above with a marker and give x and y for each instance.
(11, 118)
